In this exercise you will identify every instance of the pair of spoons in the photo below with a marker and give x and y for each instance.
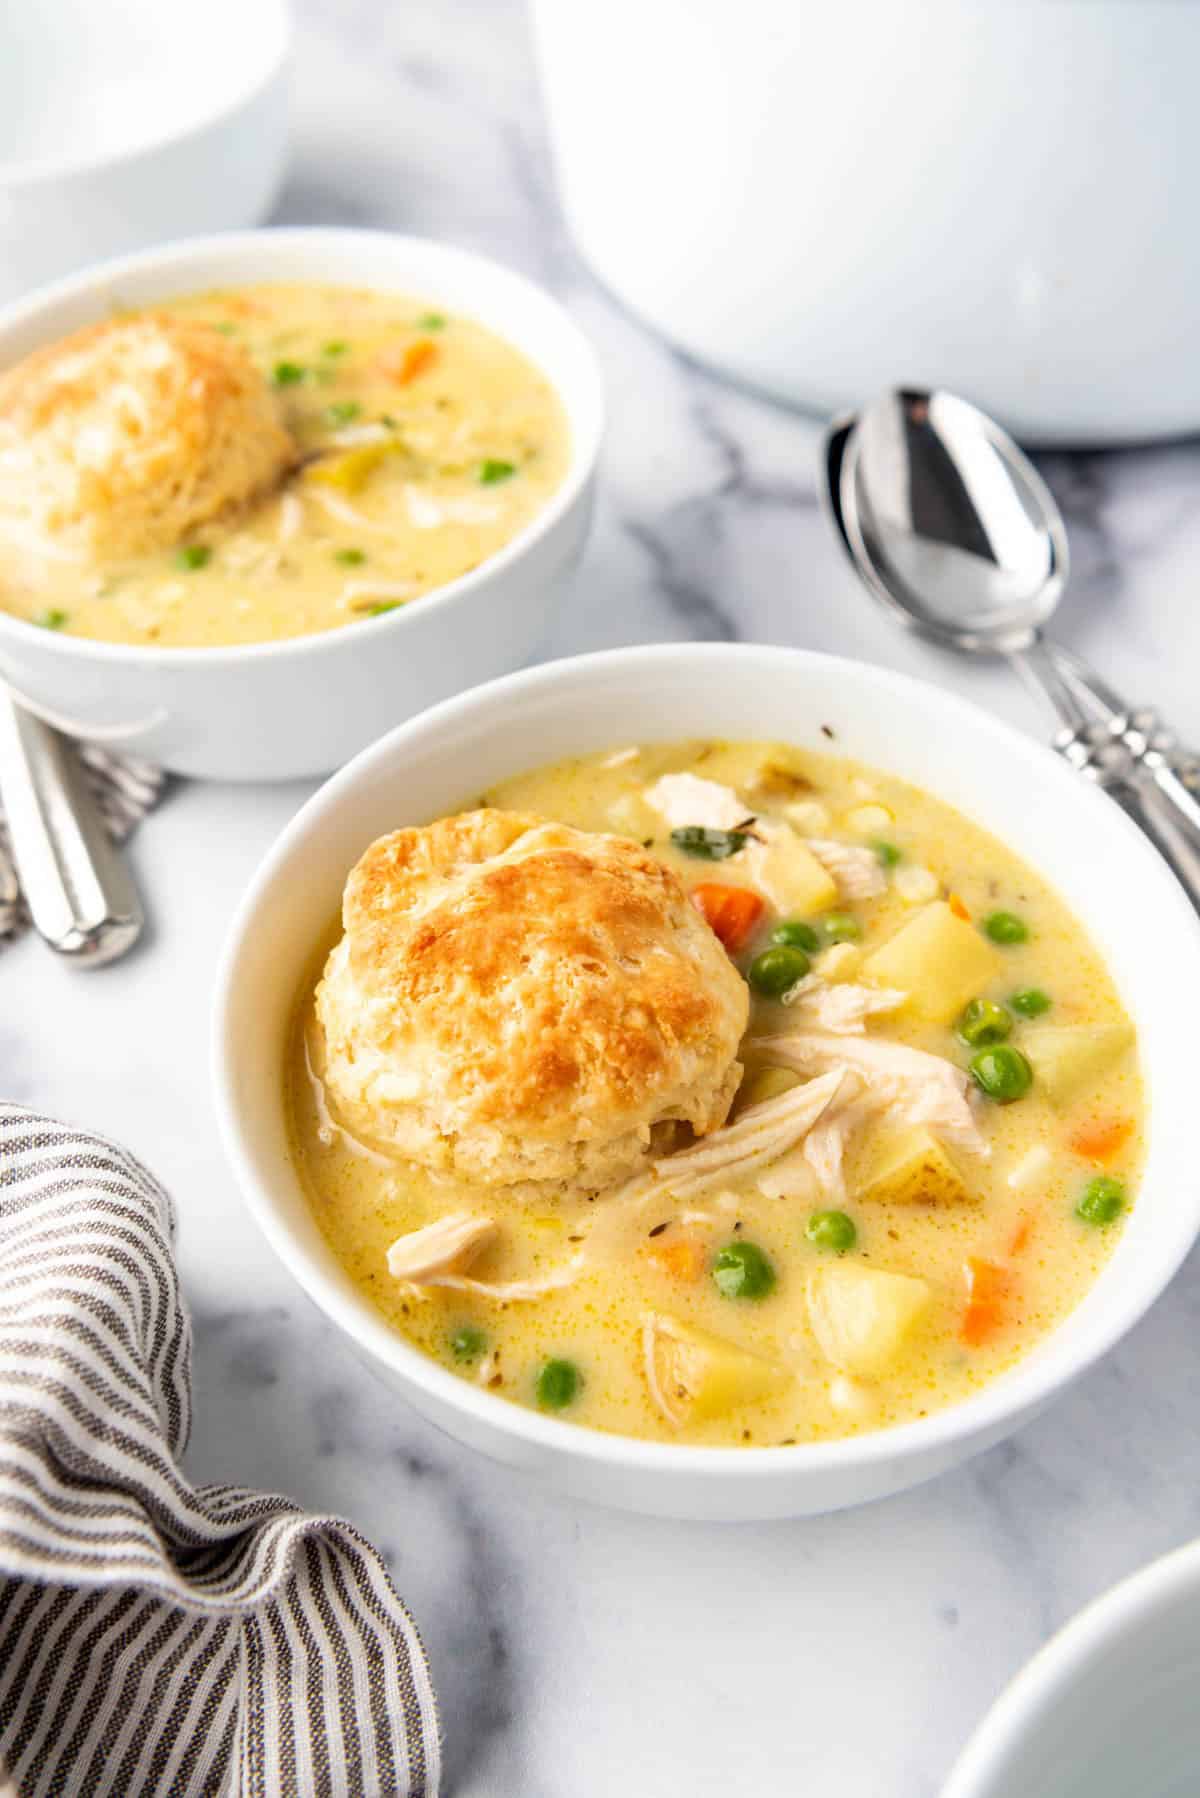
(953, 531)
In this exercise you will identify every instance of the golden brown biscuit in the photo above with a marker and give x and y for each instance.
(517, 1002)
(126, 436)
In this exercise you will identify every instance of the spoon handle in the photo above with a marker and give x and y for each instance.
(1038, 664)
(78, 890)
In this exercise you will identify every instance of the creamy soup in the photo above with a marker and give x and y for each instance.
(422, 444)
(955, 1206)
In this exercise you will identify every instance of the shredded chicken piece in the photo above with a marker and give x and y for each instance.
(1031, 1166)
(683, 799)
(511, 1292)
(761, 1134)
(448, 1246)
(857, 871)
(441, 1254)
(825, 1147)
(842, 1008)
(327, 1125)
(919, 1088)
(620, 758)
(291, 516)
(791, 1177)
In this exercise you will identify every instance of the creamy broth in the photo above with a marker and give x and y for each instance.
(425, 442)
(1002, 1260)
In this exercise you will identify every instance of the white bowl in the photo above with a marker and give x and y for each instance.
(1108, 1708)
(275, 711)
(1078, 839)
(121, 126)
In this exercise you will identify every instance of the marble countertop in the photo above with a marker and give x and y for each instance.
(578, 1653)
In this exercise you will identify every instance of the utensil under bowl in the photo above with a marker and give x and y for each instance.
(436, 763)
(1108, 1707)
(304, 705)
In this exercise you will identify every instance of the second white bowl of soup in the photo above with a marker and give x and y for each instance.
(263, 496)
(736, 1105)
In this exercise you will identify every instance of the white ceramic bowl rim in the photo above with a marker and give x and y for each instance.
(1020, 1391)
(1038, 1689)
(253, 76)
(184, 252)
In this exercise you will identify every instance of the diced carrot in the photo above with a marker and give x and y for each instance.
(1101, 1141)
(404, 365)
(680, 1256)
(730, 912)
(988, 1288)
(958, 908)
(1019, 1240)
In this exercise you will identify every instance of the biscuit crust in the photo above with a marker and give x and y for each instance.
(124, 437)
(517, 1002)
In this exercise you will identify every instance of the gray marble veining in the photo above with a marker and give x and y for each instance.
(579, 1653)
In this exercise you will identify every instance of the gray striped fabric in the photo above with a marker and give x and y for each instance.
(124, 788)
(158, 1637)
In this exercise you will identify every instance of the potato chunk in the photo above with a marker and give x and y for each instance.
(788, 871)
(1065, 1057)
(861, 1316)
(938, 959)
(911, 1167)
(693, 1374)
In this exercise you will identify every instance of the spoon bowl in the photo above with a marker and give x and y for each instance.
(962, 536)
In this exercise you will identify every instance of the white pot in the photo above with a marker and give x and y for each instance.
(993, 196)
(278, 711)
(1082, 843)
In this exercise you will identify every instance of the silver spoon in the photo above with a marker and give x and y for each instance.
(954, 532)
(78, 889)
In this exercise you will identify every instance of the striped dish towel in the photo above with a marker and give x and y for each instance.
(158, 1637)
(124, 789)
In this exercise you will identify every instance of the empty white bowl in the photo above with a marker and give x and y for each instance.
(277, 711)
(1108, 1708)
(123, 126)
(1080, 841)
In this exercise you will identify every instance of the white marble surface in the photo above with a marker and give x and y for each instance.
(578, 1653)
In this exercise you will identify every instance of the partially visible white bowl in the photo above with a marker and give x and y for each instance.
(1108, 1707)
(122, 126)
(1119, 888)
(277, 711)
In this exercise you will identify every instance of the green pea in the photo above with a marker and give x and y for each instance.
(888, 853)
(287, 374)
(1101, 1201)
(432, 321)
(384, 605)
(777, 970)
(350, 558)
(226, 327)
(983, 1022)
(467, 1343)
(831, 1231)
(337, 346)
(840, 927)
(1002, 1073)
(742, 1271)
(1006, 927)
(493, 470)
(51, 618)
(558, 1384)
(794, 933)
(193, 555)
(1030, 1002)
(342, 412)
(708, 845)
